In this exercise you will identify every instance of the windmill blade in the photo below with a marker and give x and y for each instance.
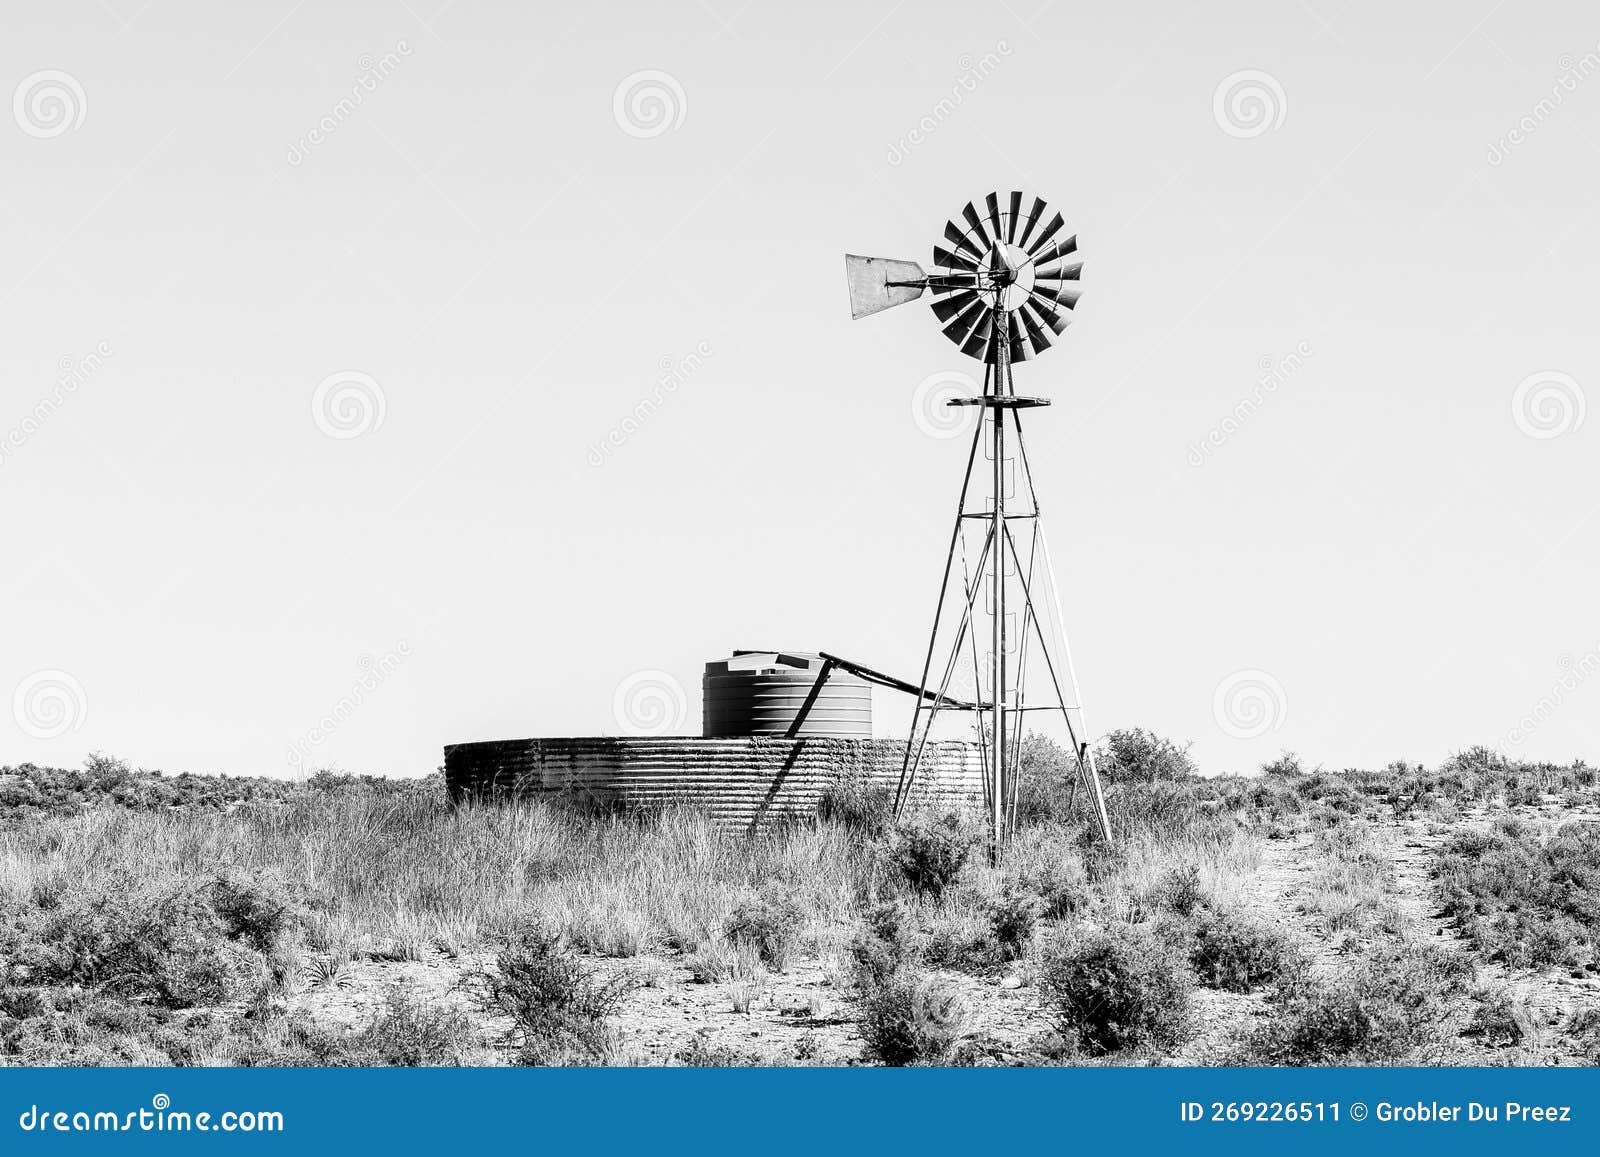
(878, 283)
(954, 235)
(1011, 218)
(1033, 219)
(970, 215)
(1065, 294)
(993, 203)
(1050, 317)
(978, 346)
(1059, 249)
(1061, 273)
(1036, 336)
(975, 315)
(950, 306)
(1019, 347)
(1046, 233)
(949, 260)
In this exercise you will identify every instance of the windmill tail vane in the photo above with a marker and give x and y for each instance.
(1003, 289)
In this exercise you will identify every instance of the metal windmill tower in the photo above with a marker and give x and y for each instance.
(1008, 281)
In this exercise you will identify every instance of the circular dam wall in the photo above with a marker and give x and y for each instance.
(740, 781)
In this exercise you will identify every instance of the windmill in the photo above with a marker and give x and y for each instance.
(1006, 281)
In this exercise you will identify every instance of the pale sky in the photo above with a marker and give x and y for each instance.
(349, 297)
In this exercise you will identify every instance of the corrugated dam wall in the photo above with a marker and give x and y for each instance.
(741, 781)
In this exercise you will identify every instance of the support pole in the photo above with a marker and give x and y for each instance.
(997, 562)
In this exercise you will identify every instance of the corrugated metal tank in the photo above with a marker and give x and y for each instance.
(788, 693)
(741, 782)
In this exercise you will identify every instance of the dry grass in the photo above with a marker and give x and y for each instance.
(155, 933)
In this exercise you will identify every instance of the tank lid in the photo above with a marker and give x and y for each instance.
(745, 661)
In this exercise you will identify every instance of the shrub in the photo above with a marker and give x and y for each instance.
(1116, 989)
(1179, 891)
(1013, 916)
(1287, 764)
(770, 924)
(1388, 1011)
(557, 1005)
(1523, 900)
(1500, 1017)
(413, 1032)
(1238, 953)
(912, 1018)
(162, 946)
(1134, 755)
(1046, 862)
(929, 854)
(251, 910)
(877, 949)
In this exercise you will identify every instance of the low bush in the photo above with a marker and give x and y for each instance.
(912, 1018)
(929, 854)
(1524, 899)
(1391, 1010)
(1118, 988)
(557, 1005)
(413, 1032)
(1013, 915)
(770, 924)
(1238, 953)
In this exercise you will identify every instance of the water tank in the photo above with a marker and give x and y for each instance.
(785, 693)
